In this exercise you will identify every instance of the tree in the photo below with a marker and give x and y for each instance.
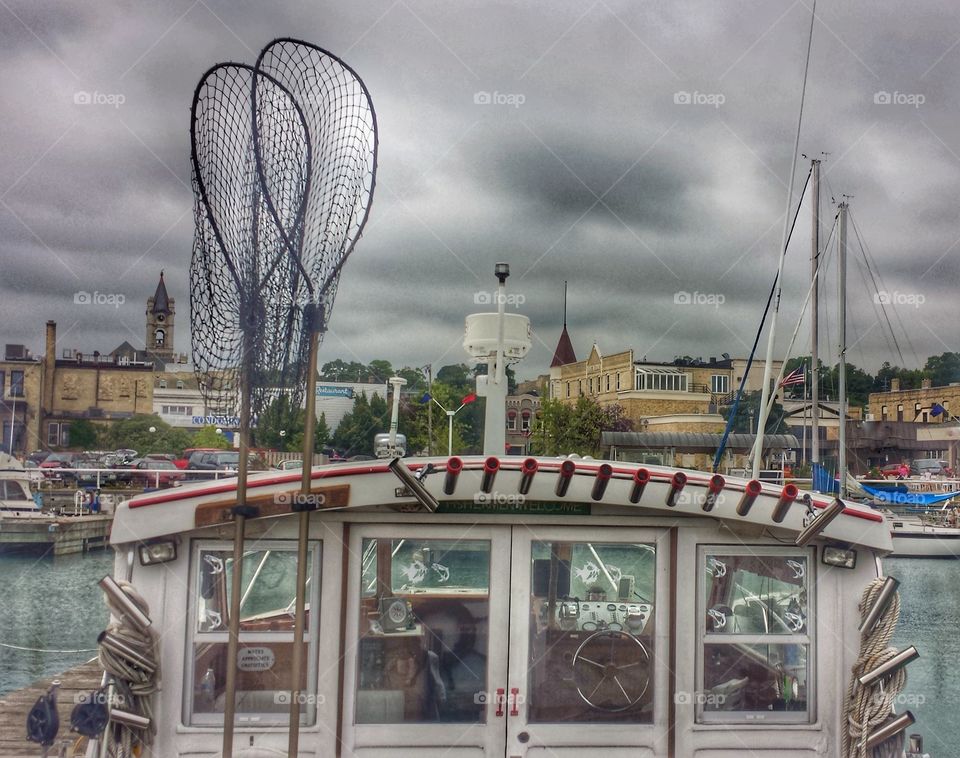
(748, 415)
(565, 429)
(134, 433)
(354, 435)
(208, 436)
(84, 434)
(940, 369)
(280, 426)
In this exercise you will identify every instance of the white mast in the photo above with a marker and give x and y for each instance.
(814, 313)
(842, 369)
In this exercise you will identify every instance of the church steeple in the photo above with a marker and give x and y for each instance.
(161, 303)
(160, 319)
(564, 353)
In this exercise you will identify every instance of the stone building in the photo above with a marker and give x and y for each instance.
(522, 411)
(21, 376)
(914, 406)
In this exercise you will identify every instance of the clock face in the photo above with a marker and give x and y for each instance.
(160, 317)
(397, 612)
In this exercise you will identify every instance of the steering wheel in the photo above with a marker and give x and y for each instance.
(610, 676)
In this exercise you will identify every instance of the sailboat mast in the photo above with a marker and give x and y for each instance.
(814, 313)
(842, 368)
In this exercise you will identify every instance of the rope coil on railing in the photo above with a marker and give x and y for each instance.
(130, 656)
(867, 707)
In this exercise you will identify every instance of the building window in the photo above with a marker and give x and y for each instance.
(590, 386)
(177, 410)
(883, 413)
(579, 387)
(58, 434)
(512, 421)
(608, 382)
(755, 638)
(660, 382)
(159, 337)
(525, 421)
(568, 389)
(719, 384)
(266, 633)
(179, 384)
(162, 384)
(899, 413)
(2, 383)
(16, 384)
(618, 381)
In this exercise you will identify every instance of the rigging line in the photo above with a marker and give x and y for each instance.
(778, 284)
(756, 340)
(863, 268)
(867, 256)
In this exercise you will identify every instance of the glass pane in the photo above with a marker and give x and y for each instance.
(755, 594)
(269, 589)
(591, 632)
(424, 614)
(742, 678)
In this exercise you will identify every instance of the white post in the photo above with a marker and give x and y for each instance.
(842, 368)
(396, 382)
(494, 432)
(450, 415)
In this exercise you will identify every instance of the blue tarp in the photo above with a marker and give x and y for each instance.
(823, 480)
(901, 496)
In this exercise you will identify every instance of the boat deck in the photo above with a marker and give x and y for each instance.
(14, 707)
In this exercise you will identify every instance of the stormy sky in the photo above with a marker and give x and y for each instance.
(638, 150)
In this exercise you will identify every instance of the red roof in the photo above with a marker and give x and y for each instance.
(564, 353)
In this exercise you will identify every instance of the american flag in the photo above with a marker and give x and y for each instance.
(797, 376)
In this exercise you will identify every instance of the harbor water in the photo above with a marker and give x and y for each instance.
(55, 604)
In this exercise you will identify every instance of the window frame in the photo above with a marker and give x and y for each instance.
(702, 717)
(17, 380)
(310, 717)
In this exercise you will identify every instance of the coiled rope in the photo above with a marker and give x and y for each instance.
(134, 681)
(866, 708)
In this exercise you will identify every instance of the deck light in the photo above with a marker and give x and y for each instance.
(490, 468)
(893, 727)
(815, 527)
(161, 551)
(604, 472)
(884, 598)
(565, 475)
(750, 493)
(454, 467)
(717, 483)
(787, 495)
(416, 489)
(677, 484)
(640, 479)
(839, 557)
(528, 468)
(122, 602)
(888, 668)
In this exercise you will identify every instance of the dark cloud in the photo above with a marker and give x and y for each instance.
(679, 117)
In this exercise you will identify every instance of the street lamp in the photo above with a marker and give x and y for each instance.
(450, 414)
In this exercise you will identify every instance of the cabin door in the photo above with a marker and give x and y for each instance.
(503, 641)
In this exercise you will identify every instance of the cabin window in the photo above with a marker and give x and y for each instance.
(424, 610)
(756, 644)
(12, 490)
(266, 634)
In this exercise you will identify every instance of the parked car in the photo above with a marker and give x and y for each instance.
(890, 471)
(290, 465)
(39, 456)
(927, 467)
(58, 466)
(183, 461)
(150, 472)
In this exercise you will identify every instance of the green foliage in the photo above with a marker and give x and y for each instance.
(563, 429)
(280, 426)
(354, 435)
(84, 434)
(135, 433)
(943, 369)
(208, 436)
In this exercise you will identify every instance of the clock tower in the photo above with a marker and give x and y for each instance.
(160, 321)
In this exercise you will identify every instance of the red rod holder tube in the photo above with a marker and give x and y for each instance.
(600, 483)
(490, 468)
(640, 478)
(676, 486)
(454, 467)
(565, 477)
(787, 496)
(750, 494)
(717, 483)
(528, 468)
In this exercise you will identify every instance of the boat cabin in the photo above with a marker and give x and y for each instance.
(535, 607)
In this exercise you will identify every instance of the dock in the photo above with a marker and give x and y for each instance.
(75, 684)
(59, 535)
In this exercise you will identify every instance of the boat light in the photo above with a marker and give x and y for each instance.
(815, 527)
(454, 467)
(415, 488)
(676, 486)
(640, 478)
(527, 469)
(490, 468)
(787, 495)
(888, 668)
(750, 493)
(604, 472)
(891, 728)
(839, 557)
(565, 476)
(717, 483)
(121, 600)
(161, 551)
(884, 598)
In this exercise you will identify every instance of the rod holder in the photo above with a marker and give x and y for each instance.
(490, 468)
(816, 527)
(787, 495)
(604, 472)
(890, 729)
(564, 477)
(641, 477)
(750, 494)
(127, 718)
(454, 467)
(880, 604)
(123, 649)
(717, 483)
(121, 600)
(409, 481)
(527, 469)
(677, 483)
(890, 667)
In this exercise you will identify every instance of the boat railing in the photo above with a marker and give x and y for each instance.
(98, 477)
